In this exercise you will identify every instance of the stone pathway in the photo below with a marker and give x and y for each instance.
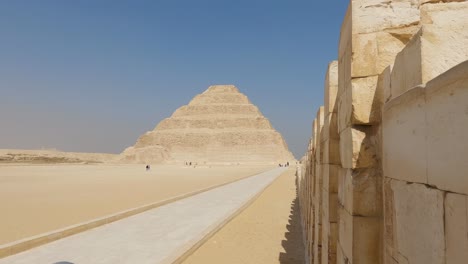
(159, 235)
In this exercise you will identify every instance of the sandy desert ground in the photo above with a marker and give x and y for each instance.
(40, 198)
(266, 232)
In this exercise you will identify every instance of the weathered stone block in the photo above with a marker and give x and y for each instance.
(360, 191)
(330, 178)
(447, 13)
(361, 104)
(432, 51)
(447, 130)
(377, 15)
(340, 257)
(417, 223)
(384, 85)
(404, 141)
(357, 149)
(456, 228)
(359, 238)
(331, 152)
(330, 207)
(331, 88)
(330, 235)
(373, 52)
(330, 127)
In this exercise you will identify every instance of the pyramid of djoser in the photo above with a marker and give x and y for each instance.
(220, 125)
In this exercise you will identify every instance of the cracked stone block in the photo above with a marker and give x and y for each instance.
(447, 130)
(404, 141)
(416, 214)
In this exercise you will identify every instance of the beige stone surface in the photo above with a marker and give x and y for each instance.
(340, 257)
(361, 104)
(373, 52)
(373, 32)
(359, 238)
(418, 223)
(384, 84)
(329, 236)
(330, 127)
(447, 130)
(404, 141)
(447, 13)
(331, 151)
(344, 54)
(220, 125)
(357, 147)
(359, 191)
(456, 228)
(432, 51)
(56, 196)
(331, 171)
(331, 88)
(376, 15)
(267, 232)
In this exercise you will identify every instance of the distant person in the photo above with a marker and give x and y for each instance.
(287, 164)
(148, 167)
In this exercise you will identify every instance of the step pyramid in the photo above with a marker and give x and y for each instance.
(220, 125)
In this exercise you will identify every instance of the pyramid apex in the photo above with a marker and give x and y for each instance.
(222, 88)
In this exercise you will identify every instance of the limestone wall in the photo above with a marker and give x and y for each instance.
(384, 179)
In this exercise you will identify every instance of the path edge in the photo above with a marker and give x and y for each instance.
(183, 254)
(24, 244)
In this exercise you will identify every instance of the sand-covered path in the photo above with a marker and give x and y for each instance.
(267, 232)
(159, 235)
(36, 199)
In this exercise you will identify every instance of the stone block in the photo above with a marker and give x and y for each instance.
(376, 15)
(447, 130)
(325, 236)
(333, 238)
(331, 88)
(345, 54)
(357, 148)
(340, 257)
(448, 14)
(456, 228)
(384, 85)
(329, 243)
(361, 104)
(373, 32)
(404, 143)
(359, 238)
(416, 223)
(373, 52)
(330, 178)
(330, 207)
(431, 52)
(331, 152)
(320, 117)
(360, 191)
(330, 127)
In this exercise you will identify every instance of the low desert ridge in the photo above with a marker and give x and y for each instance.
(41, 198)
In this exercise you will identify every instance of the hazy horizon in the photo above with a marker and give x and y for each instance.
(93, 76)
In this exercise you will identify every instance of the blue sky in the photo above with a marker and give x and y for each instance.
(91, 76)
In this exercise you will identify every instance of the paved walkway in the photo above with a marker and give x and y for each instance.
(160, 235)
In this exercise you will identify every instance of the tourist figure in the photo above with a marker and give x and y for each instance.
(148, 167)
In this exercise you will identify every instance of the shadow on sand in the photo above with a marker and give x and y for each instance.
(293, 243)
